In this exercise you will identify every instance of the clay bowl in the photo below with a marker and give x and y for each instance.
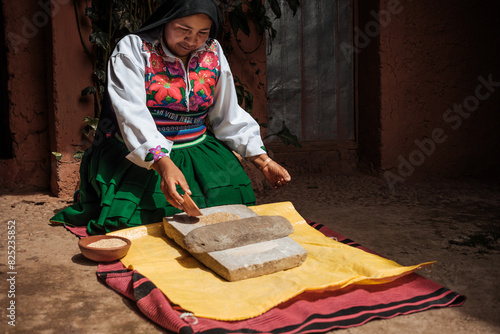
(103, 254)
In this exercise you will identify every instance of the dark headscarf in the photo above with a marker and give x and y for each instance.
(170, 10)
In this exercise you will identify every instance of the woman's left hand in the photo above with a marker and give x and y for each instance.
(273, 172)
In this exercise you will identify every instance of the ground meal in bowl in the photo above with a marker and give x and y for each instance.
(107, 243)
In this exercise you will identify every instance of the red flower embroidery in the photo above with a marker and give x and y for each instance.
(148, 76)
(159, 50)
(157, 63)
(202, 82)
(208, 60)
(167, 90)
(146, 46)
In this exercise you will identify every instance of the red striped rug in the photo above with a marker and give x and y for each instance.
(310, 312)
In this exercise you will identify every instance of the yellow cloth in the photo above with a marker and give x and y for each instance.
(186, 282)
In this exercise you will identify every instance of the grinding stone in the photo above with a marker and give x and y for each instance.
(178, 226)
(236, 233)
(240, 262)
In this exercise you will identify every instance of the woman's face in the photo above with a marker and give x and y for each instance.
(186, 34)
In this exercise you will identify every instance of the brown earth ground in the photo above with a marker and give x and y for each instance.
(455, 222)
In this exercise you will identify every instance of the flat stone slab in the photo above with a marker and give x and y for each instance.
(242, 262)
(255, 260)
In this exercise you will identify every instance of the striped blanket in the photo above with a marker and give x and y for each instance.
(310, 312)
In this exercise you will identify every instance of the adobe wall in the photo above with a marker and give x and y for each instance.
(47, 69)
(438, 114)
(27, 94)
(247, 59)
(71, 72)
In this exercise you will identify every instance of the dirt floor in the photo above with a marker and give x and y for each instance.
(456, 223)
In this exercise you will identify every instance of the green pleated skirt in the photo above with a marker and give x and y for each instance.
(115, 194)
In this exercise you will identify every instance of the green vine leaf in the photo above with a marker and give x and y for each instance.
(294, 5)
(286, 136)
(272, 33)
(100, 38)
(244, 95)
(91, 126)
(78, 155)
(238, 21)
(92, 122)
(89, 12)
(88, 90)
(100, 74)
(275, 7)
(57, 155)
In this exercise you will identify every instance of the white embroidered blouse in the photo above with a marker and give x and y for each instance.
(133, 73)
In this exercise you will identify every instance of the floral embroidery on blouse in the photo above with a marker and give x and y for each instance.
(209, 61)
(166, 91)
(167, 82)
(159, 50)
(156, 153)
(157, 63)
(203, 83)
(146, 46)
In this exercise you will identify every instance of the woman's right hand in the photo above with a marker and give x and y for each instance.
(171, 176)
